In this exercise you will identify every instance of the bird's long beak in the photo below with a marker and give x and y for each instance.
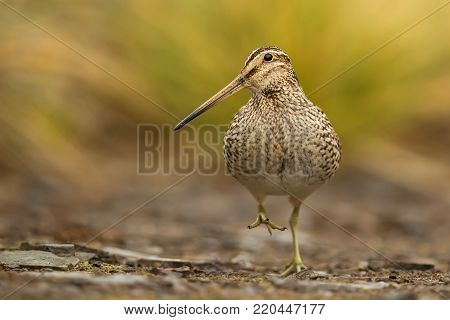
(233, 87)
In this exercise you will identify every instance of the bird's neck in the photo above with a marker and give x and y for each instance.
(281, 91)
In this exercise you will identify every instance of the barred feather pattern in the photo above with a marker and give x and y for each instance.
(280, 143)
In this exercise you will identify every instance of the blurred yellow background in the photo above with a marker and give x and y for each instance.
(63, 117)
(78, 77)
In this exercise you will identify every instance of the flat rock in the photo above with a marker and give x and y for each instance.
(36, 259)
(52, 247)
(329, 286)
(58, 248)
(85, 256)
(88, 278)
(154, 261)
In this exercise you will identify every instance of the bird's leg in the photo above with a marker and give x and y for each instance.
(262, 219)
(296, 264)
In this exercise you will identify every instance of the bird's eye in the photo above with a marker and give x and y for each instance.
(268, 57)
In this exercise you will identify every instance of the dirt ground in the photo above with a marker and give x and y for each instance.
(363, 237)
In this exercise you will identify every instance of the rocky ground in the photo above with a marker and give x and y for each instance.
(363, 236)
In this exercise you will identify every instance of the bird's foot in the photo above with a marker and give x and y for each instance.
(262, 219)
(295, 266)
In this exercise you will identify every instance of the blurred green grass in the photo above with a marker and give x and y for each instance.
(61, 114)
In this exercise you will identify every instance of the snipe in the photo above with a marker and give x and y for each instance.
(279, 143)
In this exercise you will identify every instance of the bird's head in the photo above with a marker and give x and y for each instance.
(266, 70)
